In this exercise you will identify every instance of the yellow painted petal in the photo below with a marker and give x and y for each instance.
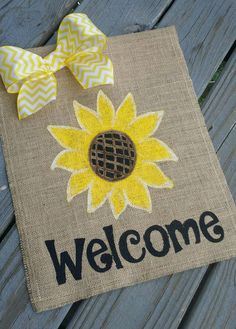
(126, 113)
(78, 183)
(145, 125)
(98, 193)
(70, 160)
(87, 118)
(153, 149)
(105, 110)
(117, 202)
(153, 176)
(138, 195)
(69, 137)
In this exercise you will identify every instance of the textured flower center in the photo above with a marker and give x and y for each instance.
(112, 155)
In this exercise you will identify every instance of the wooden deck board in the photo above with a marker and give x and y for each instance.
(29, 24)
(6, 207)
(124, 16)
(15, 308)
(220, 105)
(215, 308)
(216, 304)
(146, 305)
(166, 299)
(206, 32)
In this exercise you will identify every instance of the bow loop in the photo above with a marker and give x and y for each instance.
(77, 33)
(16, 65)
(79, 47)
(35, 94)
(91, 69)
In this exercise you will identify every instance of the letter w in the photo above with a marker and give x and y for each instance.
(65, 260)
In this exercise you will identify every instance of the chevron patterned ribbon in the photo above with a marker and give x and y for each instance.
(79, 47)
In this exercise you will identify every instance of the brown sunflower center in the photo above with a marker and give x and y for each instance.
(112, 155)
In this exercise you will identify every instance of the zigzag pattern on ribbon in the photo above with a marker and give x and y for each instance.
(36, 94)
(17, 63)
(92, 70)
(79, 47)
(78, 33)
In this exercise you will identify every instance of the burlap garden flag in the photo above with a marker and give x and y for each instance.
(116, 184)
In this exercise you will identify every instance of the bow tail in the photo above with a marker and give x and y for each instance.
(35, 94)
(92, 69)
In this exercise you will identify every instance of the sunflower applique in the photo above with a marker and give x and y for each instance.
(113, 155)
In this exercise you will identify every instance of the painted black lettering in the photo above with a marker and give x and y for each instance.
(134, 238)
(217, 229)
(110, 238)
(183, 228)
(65, 260)
(105, 258)
(164, 237)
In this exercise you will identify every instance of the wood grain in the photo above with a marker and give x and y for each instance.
(215, 307)
(15, 308)
(121, 17)
(124, 16)
(6, 207)
(220, 105)
(29, 24)
(206, 32)
(216, 304)
(155, 304)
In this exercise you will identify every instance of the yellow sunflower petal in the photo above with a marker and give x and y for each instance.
(69, 137)
(145, 125)
(126, 113)
(137, 194)
(153, 176)
(78, 183)
(117, 202)
(70, 160)
(105, 110)
(98, 194)
(87, 118)
(153, 149)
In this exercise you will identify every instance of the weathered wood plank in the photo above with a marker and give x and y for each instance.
(15, 309)
(146, 305)
(28, 24)
(124, 16)
(206, 32)
(222, 99)
(6, 207)
(219, 111)
(121, 17)
(169, 297)
(216, 304)
(227, 157)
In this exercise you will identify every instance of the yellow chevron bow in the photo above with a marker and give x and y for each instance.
(79, 47)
